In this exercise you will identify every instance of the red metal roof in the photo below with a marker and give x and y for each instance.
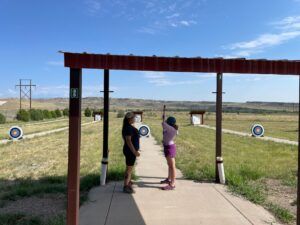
(180, 64)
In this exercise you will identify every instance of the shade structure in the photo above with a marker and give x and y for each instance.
(182, 64)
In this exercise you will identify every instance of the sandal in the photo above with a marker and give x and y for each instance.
(169, 187)
(165, 181)
(128, 190)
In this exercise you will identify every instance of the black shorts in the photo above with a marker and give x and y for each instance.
(129, 156)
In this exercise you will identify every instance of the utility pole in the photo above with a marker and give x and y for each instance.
(25, 91)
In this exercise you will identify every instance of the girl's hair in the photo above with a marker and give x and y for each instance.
(175, 126)
(126, 123)
(172, 122)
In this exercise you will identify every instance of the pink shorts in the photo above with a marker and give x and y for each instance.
(170, 150)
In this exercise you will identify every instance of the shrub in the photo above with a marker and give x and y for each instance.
(87, 112)
(47, 114)
(2, 119)
(66, 112)
(36, 114)
(23, 115)
(58, 113)
(53, 114)
(120, 114)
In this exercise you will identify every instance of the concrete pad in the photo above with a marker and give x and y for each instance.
(97, 208)
(190, 203)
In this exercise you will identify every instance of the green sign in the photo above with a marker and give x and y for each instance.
(74, 93)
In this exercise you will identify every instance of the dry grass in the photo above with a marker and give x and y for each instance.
(35, 127)
(247, 161)
(278, 126)
(38, 166)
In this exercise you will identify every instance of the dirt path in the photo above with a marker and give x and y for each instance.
(278, 140)
(39, 134)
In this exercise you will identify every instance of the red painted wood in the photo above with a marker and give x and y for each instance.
(178, 64)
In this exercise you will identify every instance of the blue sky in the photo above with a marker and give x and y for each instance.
(32, 32)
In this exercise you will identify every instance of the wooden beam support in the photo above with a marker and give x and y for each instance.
(219, 121)
(74, 146)
(105, 128)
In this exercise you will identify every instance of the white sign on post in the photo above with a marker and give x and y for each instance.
(196, 119)
(74, 93)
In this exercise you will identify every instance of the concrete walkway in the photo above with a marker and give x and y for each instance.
(190, 204)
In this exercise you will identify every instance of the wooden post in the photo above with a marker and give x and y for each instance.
(298, 174)
(105, 128)
(30, 95)
(74, 147)
(20, 94)
(219, 121)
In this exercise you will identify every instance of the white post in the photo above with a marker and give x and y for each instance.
(103, 171)
(221, 170)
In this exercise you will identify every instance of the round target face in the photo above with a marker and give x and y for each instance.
(144, 131)
(257, 130)
(15, 133)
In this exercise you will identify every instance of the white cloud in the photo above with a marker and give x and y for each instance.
(289, 29)
(173, 16)
(154, 16)
(266, 40)
(288, 23)
(93, 6)
(147, 30)
(162, 79)
(51, 91)
(185, 23)
(258, 45)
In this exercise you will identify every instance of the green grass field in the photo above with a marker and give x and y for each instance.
(38, 167)
(38, 126)
(249, 162)
(277, 126)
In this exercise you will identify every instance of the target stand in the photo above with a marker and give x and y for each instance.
(144, 131)
(257, 130)
(15, 133)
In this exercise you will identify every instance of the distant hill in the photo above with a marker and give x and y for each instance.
(12, 105)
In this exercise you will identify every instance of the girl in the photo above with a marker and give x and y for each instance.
(130, 149)
(169, 133)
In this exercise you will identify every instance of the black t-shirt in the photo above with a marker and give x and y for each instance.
(135, 137)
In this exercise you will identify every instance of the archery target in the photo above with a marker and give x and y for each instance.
(257, 130)
(144, 131)
(15, 133)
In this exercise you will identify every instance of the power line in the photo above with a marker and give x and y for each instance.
(25, 90)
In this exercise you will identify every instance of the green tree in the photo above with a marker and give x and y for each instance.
(88, 112)
(58, 113)
(53, 114)
(66, 112)
(36, 114)
(47, 114)
(23, 115)
(2, 119)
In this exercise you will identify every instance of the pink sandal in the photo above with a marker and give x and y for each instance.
(169, 187)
